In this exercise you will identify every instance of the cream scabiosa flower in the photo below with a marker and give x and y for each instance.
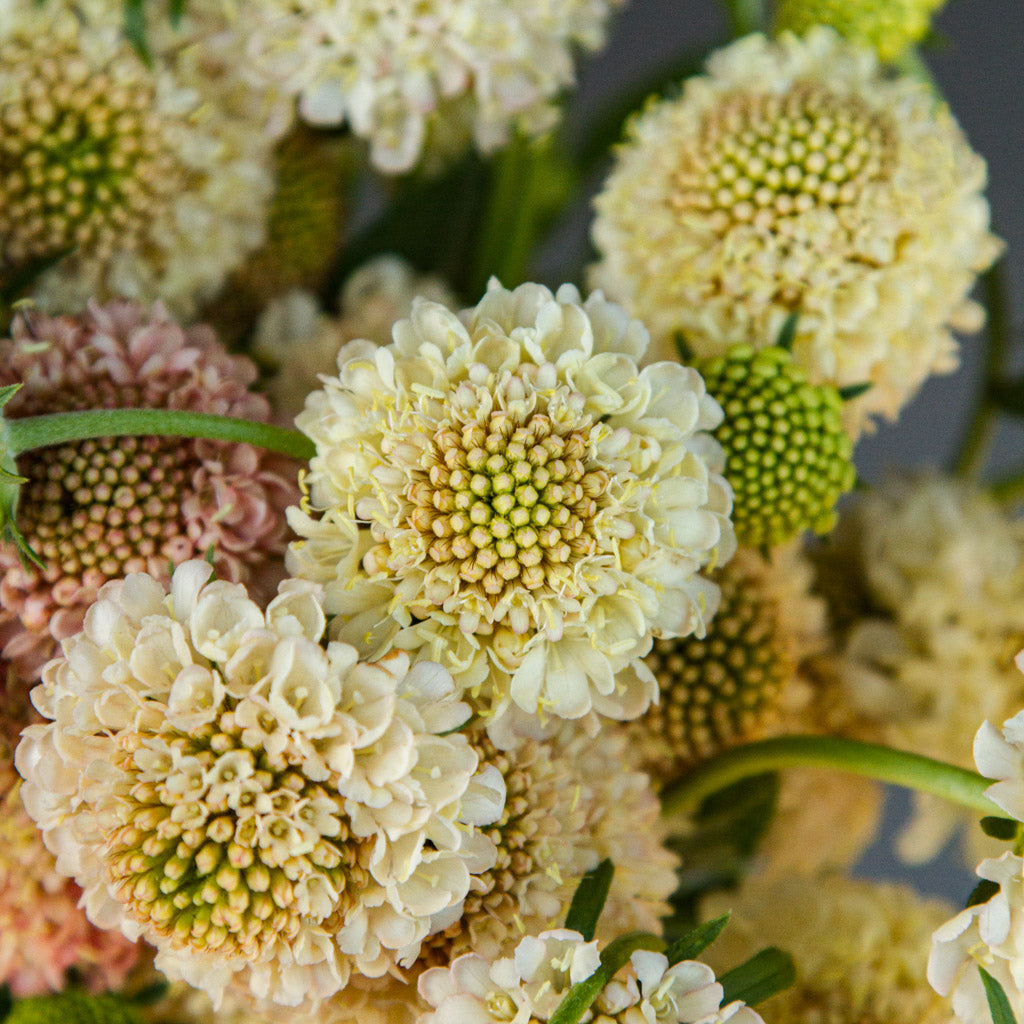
(252, 804)
(503, 491)
(412, 77)
(795, 177)
(528, 986)
(150, 179)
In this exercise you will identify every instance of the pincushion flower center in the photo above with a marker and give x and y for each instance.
(762, 157)
(501, 503)
(84, 162)
(226, 847)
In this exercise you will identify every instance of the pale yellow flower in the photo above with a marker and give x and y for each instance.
(795, 177)
(504, 491)
(260, 809)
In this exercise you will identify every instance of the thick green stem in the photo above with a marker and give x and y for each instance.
(872, 760)
(746, 16)
(978, 436)
(60, 427)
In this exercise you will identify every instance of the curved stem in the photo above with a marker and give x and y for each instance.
(872, 760)
(58, 428)
(978, 436)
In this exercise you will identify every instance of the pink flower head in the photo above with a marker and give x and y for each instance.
(100, 509)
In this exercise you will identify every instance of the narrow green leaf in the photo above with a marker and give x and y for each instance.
(998, 1004)
(683, 347)
(8, 392)
(999, 828)
(982, 893)
(761, 976)
(150, 994)
(788, 332)
(25, 275)
(615, 956)
(589, 900)
(693, 943)
(133, 21)
(852, 391)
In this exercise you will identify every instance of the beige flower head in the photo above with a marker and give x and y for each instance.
(740, 680)
(412, 80)
(860, 948)
(504, 491)
(149, 184)
(252, 804)
(795, 177)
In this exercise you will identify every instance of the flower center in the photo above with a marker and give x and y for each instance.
(83, 163)
(108, 505)
(501, 503)
(223, 847)
(759, 157)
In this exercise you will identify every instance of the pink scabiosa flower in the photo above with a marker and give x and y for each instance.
(43, 933)
(99, 509)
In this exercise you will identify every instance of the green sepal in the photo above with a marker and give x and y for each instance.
(999, 828)
(133, 23)
(10, 490)
(787, 334)
(589, 899)
(982, 892)
(998, 1004)
(759, 978)
(852, 391)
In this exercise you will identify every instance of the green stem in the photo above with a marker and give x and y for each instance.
(1009, 489)
(510, 218)
(60, 427)
(978, 436)
(746, 16)
(869, 759)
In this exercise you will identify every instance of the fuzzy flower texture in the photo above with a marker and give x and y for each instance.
(262, 810)
(504, 491)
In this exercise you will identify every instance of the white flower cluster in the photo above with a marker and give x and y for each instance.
(504, 491)
(989, 935)
(249, 802)
(528, 987)
(410, 76)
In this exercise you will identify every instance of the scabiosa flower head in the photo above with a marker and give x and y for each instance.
(300, 342)
(268, 808)
(99, 509)
(410, 79)
(739, 680)
(529, 985)
(504, 491)
(930, 574)
(150, 184)
(43, 933)
(795, 177)
(788, 457)
(564, 813)
(887, 26)
(861, 947)
(73, 1007)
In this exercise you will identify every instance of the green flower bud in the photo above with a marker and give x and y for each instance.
(788, 456)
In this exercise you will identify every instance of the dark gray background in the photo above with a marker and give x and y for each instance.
(980, 72)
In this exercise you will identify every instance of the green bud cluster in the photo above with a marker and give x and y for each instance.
(788, 456)
(73, 1007)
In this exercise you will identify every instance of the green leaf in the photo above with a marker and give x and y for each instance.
(686, 353)
(788, 332)
(694, 942)
(615, 956)
(716, 849)
(8, 392)
(999, 828)
(852, 391)
(998, 1004)
(133, 21)
(21, 279)
(150, 994)
(589, 900)
(1008, 395)
(982, 892)
(763, 975)
(6, 1002)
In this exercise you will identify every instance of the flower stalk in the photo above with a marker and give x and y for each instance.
(872, 760)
